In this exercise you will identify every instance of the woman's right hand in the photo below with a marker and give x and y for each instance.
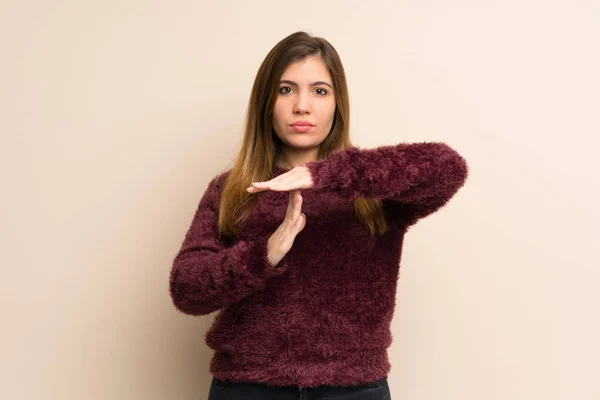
(282, 239)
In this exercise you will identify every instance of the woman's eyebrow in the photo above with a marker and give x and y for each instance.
(312, 84)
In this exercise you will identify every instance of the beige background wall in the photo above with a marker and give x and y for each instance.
(115, 115)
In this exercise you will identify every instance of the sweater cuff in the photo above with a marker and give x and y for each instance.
(337, 172)
(258, 262)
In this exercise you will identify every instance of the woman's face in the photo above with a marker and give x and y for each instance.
(305, 94)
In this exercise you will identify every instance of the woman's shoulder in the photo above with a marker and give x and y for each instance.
(218, 180)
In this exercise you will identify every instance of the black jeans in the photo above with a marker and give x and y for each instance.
(224, 390)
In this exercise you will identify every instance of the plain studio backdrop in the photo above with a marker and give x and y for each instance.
(116, 114)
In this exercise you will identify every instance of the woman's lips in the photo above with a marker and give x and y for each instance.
(301, 128)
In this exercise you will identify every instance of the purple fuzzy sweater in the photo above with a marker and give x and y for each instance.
(322, 315)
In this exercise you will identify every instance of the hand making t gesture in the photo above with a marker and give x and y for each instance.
(297, 178)
(282, 239)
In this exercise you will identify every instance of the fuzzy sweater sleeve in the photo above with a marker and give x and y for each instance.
(207, 274)
(418, 178)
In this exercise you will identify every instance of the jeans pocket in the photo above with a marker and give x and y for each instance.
(222, 383)
(374, 384)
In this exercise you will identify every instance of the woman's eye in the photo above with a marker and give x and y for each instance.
(281, 90)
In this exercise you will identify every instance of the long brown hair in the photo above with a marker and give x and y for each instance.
(261, 146)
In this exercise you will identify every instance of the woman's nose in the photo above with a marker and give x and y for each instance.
(302, 104)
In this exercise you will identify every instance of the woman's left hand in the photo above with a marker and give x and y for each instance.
(296, 178)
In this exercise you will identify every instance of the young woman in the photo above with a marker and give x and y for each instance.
(299, 244)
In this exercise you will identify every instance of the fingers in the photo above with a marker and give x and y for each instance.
(298, 218)
(262, 186)
(297, 197)
(288, 213)
(294, 205)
